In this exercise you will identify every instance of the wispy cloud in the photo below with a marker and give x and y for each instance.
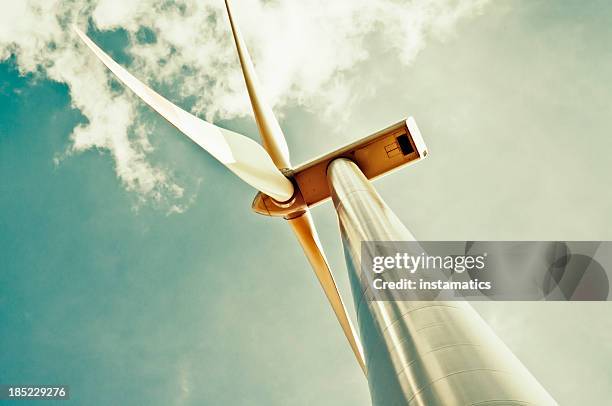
(302, 50)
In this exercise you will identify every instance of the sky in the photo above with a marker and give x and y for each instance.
(132, 267)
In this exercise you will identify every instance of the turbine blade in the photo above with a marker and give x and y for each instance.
(305, 231)
(243, 156)
(272, 136)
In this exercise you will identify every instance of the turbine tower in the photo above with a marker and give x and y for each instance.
(416, 353)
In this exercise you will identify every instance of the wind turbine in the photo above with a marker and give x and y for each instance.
(402, 365)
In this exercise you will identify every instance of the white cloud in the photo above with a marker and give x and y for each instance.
(302, 50)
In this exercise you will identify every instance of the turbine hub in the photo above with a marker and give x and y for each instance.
(266, 205)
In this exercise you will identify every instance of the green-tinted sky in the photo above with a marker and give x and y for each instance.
(102, 289)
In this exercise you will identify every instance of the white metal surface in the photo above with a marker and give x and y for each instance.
(272, 136)
(304, 230)
(243, 156)
(421, 353)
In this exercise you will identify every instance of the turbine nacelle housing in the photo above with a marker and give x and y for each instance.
(376, 155)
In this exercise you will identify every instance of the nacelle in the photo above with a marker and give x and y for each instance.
(376, 155)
